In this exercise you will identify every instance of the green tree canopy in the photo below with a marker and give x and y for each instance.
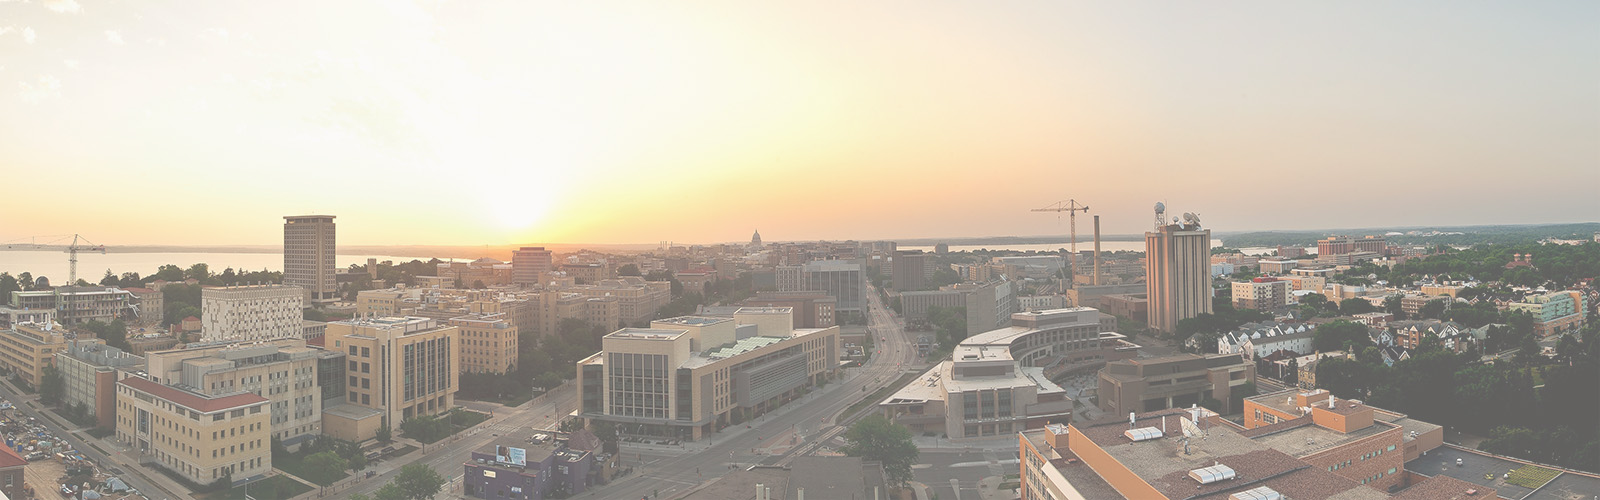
(418, 481)
(876, 438)
(325, 467)
(1339, 335)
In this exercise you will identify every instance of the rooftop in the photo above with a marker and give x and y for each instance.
(196, 402)
(693, 320)
(647, 334)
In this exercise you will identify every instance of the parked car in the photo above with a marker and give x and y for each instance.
(1460, 462)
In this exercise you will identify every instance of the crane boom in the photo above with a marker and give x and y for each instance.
(1071, 207)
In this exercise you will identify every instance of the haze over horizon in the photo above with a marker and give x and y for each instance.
(455, 123)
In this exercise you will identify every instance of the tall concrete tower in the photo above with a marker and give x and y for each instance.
(308, 257)
(529, 265)
(1177, 271)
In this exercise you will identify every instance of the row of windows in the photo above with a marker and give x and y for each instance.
(1377, 476)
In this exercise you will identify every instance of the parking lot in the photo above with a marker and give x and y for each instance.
(1474, 467)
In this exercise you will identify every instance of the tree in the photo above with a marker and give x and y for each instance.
(1291, 377)
(325, 467)
(1315, 300)
(1351, 307)
(385, 434)
(419, 481)
(389, 491)
(1392, 305)
(877, 438)
(478, 285)
(199, 272)
(1343, 377)
(25, 280)
(629, 270)
(51, 385)
(1528, 350)
(109, 279)
(1434, 309)
(8, 284)
(1340, 335)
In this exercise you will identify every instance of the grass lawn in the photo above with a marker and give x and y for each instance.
(294, 463)
(467, 418)
(1531, 476)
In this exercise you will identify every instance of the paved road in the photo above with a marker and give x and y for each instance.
(811, 417)
(134, 476)
(448, 456)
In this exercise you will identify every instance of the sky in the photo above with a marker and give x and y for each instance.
(460, 123)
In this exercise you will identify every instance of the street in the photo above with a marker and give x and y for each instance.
(812, 416)
(135, 474)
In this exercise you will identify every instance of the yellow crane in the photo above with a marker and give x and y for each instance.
(72, 250)
(1071, 207)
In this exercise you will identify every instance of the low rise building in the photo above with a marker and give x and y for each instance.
(526, 465)
(76, 305)
(1134, 306)
(1265, 294)
(1555, 312)
(12, 316)
(27, 348)
(149, 305)
(998, 382)
(284, 371)
(988, 305)
(1041, 302)
(1090, 295)
(1153, 384)
(202, 438)
(11, 473)
(1253, 340)
(689, 376)
(90, 372)
(812, 308)
(1314, 449)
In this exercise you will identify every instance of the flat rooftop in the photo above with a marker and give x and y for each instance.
(765, 310)
(1162, 463)
(647, 334)
(1078, 474)
(693, 320)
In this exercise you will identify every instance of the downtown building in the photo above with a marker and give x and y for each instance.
(488, 343)
(690, 376)
(397, 368)
(26, 349)
(1143, 385)
(910, 270)
(1177, 273)
(90, 372)
(200, 437)
(1292, 445)
(529, 265)
(309, 259)
(843, 280)
(998, 382)
(76, 305)
(282, 371)
(527, 465)
(1555, 312)
(988, 305)
(1265, 294)
(251, 313)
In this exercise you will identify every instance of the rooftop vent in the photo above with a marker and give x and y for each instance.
(1142, 433)
(1261, 493)
(1212, 474)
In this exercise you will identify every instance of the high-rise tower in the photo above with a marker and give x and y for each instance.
(1177, 270)
(308, 257)
(529, 265)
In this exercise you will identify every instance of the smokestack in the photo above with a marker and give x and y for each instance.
(1097, 250)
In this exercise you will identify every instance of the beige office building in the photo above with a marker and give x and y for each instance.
(488, 343)
(689, 376)
(1265, 294)
(1177, 273)
(283, 371)
(637, 299)
(202, 438)
(251, 313)
(529, 265)
(308, 257)
(398, 367)
(1145, 385)
(27, 348)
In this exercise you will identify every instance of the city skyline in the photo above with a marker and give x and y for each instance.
(510, 123)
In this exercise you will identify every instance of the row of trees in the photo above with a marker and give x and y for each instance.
(949, 326)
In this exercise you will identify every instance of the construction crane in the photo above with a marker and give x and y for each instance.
(72, 250)
(1071, 207)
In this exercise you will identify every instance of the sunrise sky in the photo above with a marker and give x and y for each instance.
(445, 122)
